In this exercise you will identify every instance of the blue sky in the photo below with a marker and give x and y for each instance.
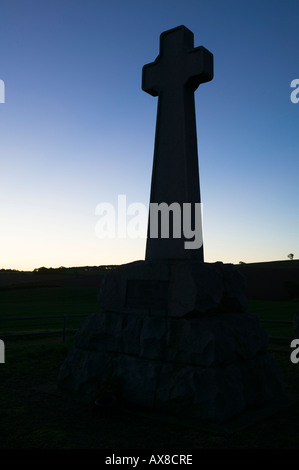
(76, 129)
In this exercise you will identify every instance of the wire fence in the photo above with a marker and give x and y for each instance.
(278, 323)
(47, 325)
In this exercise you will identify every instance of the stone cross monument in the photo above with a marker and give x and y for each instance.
(174, 76)
(173, 331)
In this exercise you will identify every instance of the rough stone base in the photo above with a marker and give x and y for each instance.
(213, 367)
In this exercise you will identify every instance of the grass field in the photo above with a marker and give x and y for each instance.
(33, 417)
(48, 301)
(43, 302)
(278, 310)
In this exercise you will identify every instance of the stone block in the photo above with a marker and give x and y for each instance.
(140, 379)
(153, 338)
(84, 370)
(101, 331)
(174, 289)
(204, 341)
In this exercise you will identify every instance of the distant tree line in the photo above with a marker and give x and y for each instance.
(79, 269)
(11, 270)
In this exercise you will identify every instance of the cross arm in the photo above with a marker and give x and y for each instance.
(200, 68)
(150, 77)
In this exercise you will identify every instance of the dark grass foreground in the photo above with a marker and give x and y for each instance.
(32, 417)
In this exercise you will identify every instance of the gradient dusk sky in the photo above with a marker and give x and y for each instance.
(77, 130)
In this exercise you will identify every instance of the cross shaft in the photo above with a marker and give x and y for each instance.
(174, 76)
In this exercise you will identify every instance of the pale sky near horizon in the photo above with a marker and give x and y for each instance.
(76, 129)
